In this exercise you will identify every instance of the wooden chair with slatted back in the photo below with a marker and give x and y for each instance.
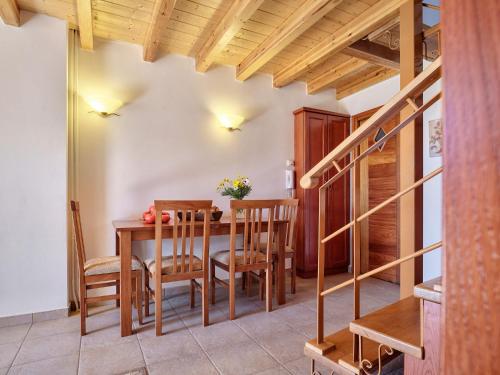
(184, 266)
(255, 255)
(101, 272)
(287, 211)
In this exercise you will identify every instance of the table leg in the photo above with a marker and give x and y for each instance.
(281, 287)
(126, 283)
(117, 252)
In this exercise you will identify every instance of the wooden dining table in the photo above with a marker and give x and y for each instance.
(136, 230)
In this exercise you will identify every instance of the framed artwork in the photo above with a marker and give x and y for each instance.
(435, 138)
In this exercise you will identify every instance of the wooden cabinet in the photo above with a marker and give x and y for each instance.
(318, 132)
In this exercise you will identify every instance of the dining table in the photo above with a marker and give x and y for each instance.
(127, 231)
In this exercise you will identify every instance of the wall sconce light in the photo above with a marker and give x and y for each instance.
(230, 122)
(104, 107)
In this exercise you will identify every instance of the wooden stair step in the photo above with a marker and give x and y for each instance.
(340, 358)
(430, 290)
(396, 325)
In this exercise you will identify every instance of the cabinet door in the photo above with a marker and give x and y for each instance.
(316, 125)
(338, 204)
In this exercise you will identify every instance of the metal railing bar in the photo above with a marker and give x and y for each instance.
(384, 267)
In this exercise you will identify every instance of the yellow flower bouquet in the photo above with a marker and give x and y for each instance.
(238, 188)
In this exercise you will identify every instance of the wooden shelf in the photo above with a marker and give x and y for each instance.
(429, 291)
(340, 359)
(396, 325)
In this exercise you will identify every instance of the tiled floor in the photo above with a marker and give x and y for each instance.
(255, 343)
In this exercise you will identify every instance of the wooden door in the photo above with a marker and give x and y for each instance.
(338, 203)
(379, 181)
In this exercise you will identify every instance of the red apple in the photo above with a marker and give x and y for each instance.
(149, 219)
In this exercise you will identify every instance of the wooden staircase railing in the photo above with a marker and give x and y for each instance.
(334, 346)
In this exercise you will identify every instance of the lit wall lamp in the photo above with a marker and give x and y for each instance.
(104, 107)
(230, 122)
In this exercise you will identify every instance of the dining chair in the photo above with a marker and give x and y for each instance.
(101, 272)
(181, 266)
(286, 210)
(254, 257)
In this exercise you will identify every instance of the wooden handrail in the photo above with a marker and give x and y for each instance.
(383, 268)
(425, 79)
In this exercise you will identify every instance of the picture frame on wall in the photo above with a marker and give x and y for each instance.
(435, 138)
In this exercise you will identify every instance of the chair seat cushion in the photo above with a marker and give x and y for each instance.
(223, 257)
(167, 264)
(288, 249)
(104, 265)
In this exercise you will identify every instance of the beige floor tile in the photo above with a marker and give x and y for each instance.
(262, 324)
(41, 348)
(219, 334)
(302, 366)
(285, 347)
(13, 334)
(193, 318)
(4, 370)
(274, 371)
(331, 326)
(295, 315)
(168, 346)
(65, 365)
(9, 321)
(54, 327)
(111, 359)
(8, 353)
(183, 365)
(245, 358)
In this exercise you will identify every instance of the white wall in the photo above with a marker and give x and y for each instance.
(167, 142)
(33, 270)
(378, 95)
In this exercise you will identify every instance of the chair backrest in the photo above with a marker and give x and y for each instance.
(255, 223)
(183, 228)
(286, 210)
(77, 225)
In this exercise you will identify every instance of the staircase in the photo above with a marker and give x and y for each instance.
(371, 340)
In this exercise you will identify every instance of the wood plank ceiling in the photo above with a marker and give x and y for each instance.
(321, 42)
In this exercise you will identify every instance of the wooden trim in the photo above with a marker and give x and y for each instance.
(9, 12)
(334, 74)
(301, 20)
(470, 323)
(374, 53)
(364, 81)
(410, 150)
(85, 25)
(342, 38)
(322, 111)
(239, 12)
(162, 11)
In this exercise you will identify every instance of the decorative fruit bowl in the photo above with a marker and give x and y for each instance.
(216, 214)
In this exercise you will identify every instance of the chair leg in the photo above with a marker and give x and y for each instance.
(212, 281)
(158, 293)
(83, 309)
(204, 298)
(269, 287)
(248, 277)
(261, 285)
(232, 295)
(138, 296)
(147, 296)
(294, 274)
(192, 297)
(117, 292)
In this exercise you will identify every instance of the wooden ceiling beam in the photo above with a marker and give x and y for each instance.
(162, 10)
(374, 53)
(365, 81)
(298, 22)
(239, 12)
(334, 74)
(359, 27)
(84, 9)
(9, 12)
